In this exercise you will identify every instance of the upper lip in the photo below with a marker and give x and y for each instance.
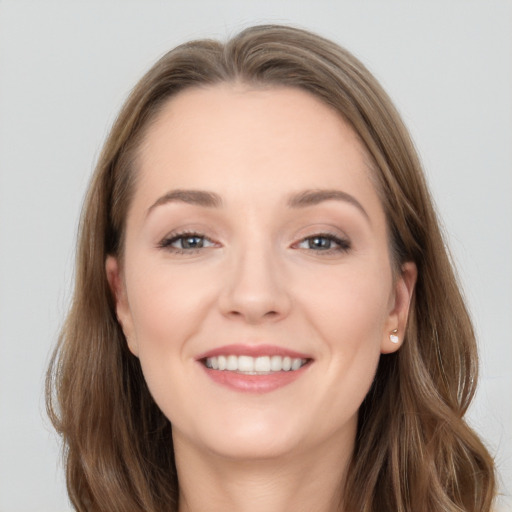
(252, 351)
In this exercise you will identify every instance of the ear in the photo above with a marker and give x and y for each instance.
(396, 323)
(123, 312)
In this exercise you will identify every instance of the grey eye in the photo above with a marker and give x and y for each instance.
(321, 243)
(324, 243)
(189, 242)
(186, 242)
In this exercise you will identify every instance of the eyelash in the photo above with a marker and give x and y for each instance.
(167, 242)
(342, 244)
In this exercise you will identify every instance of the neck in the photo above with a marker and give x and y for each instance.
(302, 482)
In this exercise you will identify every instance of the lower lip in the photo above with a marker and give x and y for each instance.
(254, 383)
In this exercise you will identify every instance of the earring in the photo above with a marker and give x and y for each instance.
(393, 337)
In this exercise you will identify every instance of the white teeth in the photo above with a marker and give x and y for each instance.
(245, 364)
(262, 364)
(232, 363)
(254, 365)
(276, 363)
(296, 364)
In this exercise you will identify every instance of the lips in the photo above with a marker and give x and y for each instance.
(258, 368)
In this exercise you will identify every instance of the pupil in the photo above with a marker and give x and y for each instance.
(319, 242)
(192, 242)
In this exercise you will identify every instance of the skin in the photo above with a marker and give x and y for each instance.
(259, 278)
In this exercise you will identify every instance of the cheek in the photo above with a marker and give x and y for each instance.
(165, 300)
(349, 306)
(166, 307)
(348, 312)
(169, 305)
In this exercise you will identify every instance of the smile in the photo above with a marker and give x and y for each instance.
(261, 365)
(254, 368)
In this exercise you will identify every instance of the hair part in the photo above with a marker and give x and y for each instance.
(413, 450)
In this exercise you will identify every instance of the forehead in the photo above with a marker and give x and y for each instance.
(244, 139)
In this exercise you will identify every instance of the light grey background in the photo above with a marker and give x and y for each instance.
(65, 68)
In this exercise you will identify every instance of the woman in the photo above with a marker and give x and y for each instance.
(265, 316)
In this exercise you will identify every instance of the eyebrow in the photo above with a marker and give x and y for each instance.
(300, 200)
(317, 196)
(194, 197)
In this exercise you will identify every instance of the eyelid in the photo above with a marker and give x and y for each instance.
(343, 243)
(167, 241)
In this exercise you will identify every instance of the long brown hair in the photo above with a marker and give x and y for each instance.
(414, 451)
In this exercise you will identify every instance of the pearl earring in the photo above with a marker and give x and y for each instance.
(393, 337)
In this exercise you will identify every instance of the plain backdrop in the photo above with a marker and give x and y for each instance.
(65, 68)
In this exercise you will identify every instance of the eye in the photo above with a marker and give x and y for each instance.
(324, 242)
(186, 242)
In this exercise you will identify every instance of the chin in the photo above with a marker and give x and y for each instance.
(244, 436)
(260, 446)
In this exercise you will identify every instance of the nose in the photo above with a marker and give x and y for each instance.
(255, 288)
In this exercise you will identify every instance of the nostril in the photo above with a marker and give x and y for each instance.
(254, 302)
(253, 315)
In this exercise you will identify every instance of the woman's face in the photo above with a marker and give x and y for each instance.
(256, 286)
